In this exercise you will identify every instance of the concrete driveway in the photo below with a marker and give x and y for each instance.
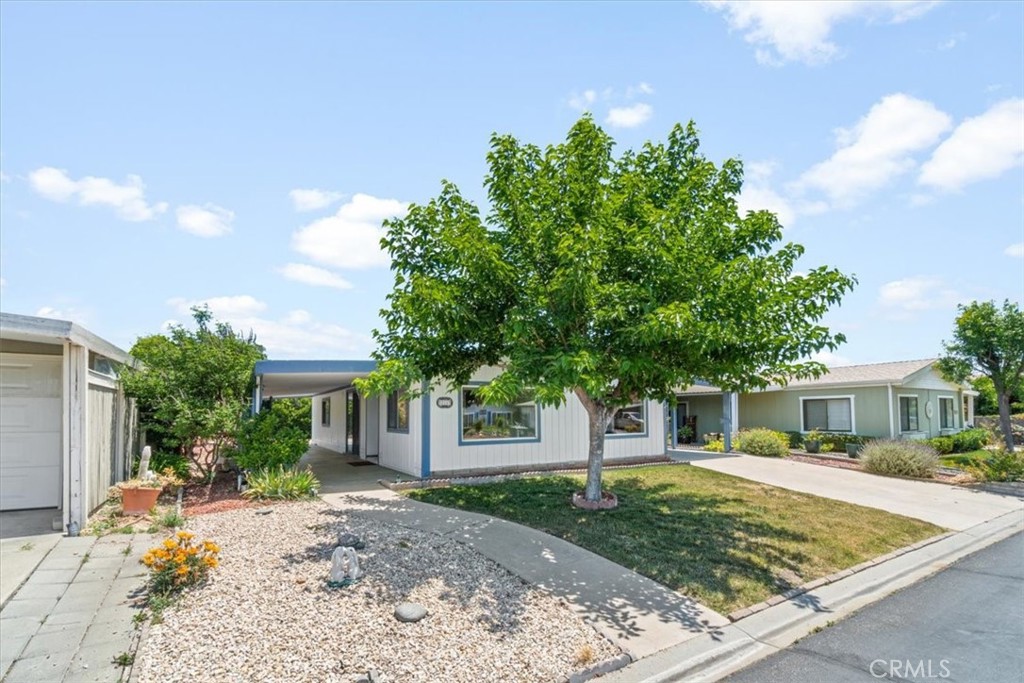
(951, 507)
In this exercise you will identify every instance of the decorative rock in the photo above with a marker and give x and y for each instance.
(410, 612)
(349, 540)
(264, 511)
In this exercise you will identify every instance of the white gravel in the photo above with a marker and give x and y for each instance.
(266, 614)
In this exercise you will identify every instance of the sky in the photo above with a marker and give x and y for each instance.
(159, 155)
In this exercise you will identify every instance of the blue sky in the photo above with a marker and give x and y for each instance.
(158, 155)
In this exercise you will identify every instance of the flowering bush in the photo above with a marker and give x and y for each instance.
(179, 562)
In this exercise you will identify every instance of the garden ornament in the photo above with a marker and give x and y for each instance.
(344, 568)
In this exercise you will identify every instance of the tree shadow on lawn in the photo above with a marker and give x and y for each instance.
(395, 564)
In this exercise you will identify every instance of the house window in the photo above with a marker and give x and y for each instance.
(398, 412)
(325, 412)
(628, 420)
(515, 420)
(947, 418)
(828, 414)
(908, 414)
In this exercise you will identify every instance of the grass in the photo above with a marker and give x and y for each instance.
(964, 459)
(725, 541)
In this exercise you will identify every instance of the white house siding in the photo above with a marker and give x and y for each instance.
(401, 451)
(563, 437)
(332, 437)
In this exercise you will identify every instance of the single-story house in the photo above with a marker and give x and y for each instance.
(900, 400)
(67, 432)
(448, 432)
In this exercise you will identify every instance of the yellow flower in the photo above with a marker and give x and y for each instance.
(184, 534)
(160, 553)
(211, 547)
(179, 557)
(182, 570)
(170, 544)
(210, 561)
(147, 559)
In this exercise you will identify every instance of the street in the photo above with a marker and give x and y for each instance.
(964, 624)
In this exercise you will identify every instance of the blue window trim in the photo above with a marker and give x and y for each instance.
(491, 442)
(425, 432)
(634, 435)
(387, 416)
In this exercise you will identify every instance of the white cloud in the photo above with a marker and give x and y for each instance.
(798, 30)
(877, 149)
(311, 275)
(208, 220)
(915, 294)
(351, 237)
(641, 88)
(72, 314)
(583, 100)
(4, 178)
(980, 148)
(831, 359)
(757, 198)
(311, 200)
(128, 199)
(1015, 250)
(952, 41)
(629, 117)
(296, 335)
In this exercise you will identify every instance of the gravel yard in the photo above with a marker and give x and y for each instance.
(267, 614)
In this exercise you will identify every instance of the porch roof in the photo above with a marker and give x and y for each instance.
(289, 378)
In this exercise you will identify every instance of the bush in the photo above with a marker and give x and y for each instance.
(764, 442)
(1001, 466)
(969, 440)
(715, 446)
(282, 483)
(900, 458)
(942, 444)
(796, 439)
(178, 563)
(275, 437)
(161, 461)
(838, 441)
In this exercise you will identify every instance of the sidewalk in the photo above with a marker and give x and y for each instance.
(640, 615)
(74, 614)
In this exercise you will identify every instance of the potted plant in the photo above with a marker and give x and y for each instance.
(138, 496)
(812, 441)
(685, 434)
(854, 447)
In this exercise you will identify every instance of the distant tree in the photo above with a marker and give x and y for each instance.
(615, 279)
(990, 341)
(987, 402)
(193, 387)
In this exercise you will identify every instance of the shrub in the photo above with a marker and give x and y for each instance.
(838, 441)
(764, 442)
(942, 444)
(715, 446)
(900, 458)
(969, 440)
(277, 436)
(1001, 466)
(161, 461)
(796, 439)
(282, 483)
(179, 562)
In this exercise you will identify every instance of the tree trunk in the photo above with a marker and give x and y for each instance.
(597, 414)
(1004, 420)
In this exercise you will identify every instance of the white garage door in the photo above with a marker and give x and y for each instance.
(30, 431)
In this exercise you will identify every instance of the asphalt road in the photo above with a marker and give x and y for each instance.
(964, 624)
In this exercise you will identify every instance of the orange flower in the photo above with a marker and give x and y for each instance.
(147, 559)
(182, 570)
(184, 534)
(170, 543)
(211, 547)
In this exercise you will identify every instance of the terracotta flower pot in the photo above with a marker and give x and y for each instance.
(139, 501)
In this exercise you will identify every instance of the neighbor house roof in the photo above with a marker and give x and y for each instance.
(897, 372)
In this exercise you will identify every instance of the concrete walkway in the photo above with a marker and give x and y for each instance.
(951, 507)
(638, 614)
(74, 614)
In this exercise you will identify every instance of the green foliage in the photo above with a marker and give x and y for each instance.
(795, 439)
(837, 441)
(986, 403)
(989, 340)
(276, 436)
(970, 440)
(1000, 466)
(161, 461)
(172, 520)
(616, 279)
(715, 446)
(193, 386)
(282, 483)
(764, 442)
(900, 458)
(943, 445)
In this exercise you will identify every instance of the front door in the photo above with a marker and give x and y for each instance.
(352, 422)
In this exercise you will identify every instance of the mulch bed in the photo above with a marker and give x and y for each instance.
(218, 496)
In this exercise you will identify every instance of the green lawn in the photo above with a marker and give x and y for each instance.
(719, 539)
(963, 459)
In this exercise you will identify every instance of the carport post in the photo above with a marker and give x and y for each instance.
(257, 396)
(727, 417)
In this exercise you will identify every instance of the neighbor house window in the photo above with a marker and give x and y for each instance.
(398, 412)
(325, 412)
(628, 420)
(828, 414)
(517, 419)
(947, 419)
(908, 414)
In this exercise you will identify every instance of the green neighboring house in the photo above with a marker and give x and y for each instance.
(903, 400)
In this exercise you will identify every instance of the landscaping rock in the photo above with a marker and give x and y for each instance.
(410, 612)
(349, 540)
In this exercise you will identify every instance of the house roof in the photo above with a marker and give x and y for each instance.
(896, 372)
(50, 331)
(284, 378)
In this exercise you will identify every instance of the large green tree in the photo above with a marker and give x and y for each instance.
(615, 279)
(989, 340)
(193, 386)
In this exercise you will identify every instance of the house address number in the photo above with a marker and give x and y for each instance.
(444, 402)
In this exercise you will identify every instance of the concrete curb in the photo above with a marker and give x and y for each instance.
(600, 669)
(711, 657)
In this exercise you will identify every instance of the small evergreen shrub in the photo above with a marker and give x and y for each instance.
(969, 440)
(1001, 466)
(282, 483)
(276, 437)
(764, 442)
(942, 444)
(900, 458)
(796, 439)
